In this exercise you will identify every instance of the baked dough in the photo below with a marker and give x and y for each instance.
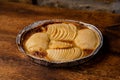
(63, 55)
(86, 39)
(62, 31)
(62, 42)
(37, 41)
(59, 44)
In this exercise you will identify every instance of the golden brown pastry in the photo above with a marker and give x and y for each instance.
(62, 31)
(59, 44)
(37, 41)
(63, 55)
(62, 42)
(86, 39)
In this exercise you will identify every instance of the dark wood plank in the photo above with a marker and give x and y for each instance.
(16, 66)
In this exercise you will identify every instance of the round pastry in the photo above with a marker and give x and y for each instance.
(87, 39)
(60, 42)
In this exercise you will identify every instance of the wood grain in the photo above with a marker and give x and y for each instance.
(16, 66)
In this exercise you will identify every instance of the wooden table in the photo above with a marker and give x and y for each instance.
(16, 66)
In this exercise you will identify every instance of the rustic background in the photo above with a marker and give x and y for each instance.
(16, 66)
(99, 5)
